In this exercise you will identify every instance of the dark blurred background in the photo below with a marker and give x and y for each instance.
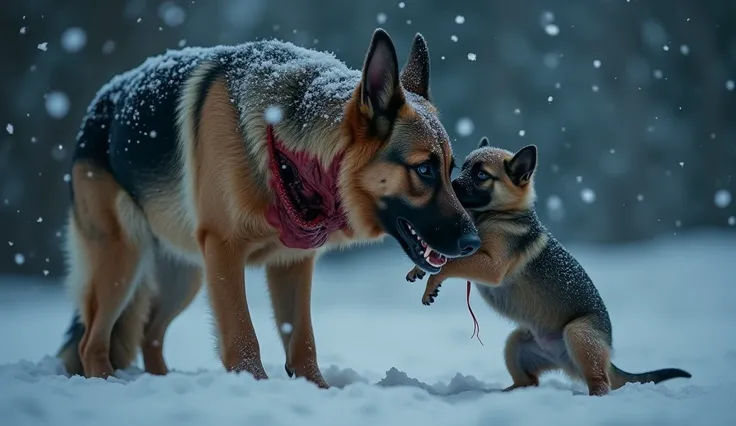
(631, 103)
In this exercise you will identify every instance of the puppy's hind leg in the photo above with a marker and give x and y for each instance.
(525, 359)
(590, 354)
(178, 284)
(110, 239)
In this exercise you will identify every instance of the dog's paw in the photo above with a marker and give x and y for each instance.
(415, 274)
(428, 299)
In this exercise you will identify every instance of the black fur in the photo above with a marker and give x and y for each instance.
(522, 165)
(415, 75)
(470, 195)
(209, 78)
(380, 78)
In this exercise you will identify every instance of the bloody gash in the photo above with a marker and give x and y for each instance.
(307, 209)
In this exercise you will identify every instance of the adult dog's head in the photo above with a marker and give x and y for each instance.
(395, 177)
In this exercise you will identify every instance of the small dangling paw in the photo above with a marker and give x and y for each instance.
(428, 299)
(415, 274)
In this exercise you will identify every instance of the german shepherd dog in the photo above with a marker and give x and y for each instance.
(527, 276)
(203, 161)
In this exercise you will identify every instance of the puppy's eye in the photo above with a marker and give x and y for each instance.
(482, 176)
(424, 170)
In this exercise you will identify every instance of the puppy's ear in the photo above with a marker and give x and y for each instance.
(522, 165)
(381, 95)
(415, 75)
(483, 142)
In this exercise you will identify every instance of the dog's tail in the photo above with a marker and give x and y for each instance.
(69, 351)
(620, 377)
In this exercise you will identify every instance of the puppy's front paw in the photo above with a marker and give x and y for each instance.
(415, 274)
(428, 298)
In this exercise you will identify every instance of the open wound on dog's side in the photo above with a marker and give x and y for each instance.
(307, 208)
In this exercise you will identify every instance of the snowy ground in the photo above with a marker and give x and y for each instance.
(398, 362)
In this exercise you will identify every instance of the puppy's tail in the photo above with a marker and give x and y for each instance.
(69, 351)
(620, 377)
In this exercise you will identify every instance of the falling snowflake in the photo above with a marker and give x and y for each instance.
(722, 198)
(552, 29)
(172, 14)
(459, 19)
(587, 195)
(471, 56)
(10, 129)
(286, 328)
(597, 63)
(43, 46)
(57, 104)
(73, 39)
(465, 127)
(273, 115)
(381, 18)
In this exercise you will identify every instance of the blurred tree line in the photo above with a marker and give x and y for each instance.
(631, 103)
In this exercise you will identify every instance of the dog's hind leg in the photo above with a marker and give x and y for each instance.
(525, 359)
(590, 355)
(109, 242)
(178, 283)
(290, 287)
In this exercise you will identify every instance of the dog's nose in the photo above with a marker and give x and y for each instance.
(468, 244)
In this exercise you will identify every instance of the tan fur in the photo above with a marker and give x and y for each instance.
(290, 289)
(180, 284)
(108, 233)
(207, 218)
(498, 263)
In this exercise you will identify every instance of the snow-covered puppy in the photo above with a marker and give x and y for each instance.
(526, 275)
(203, 161)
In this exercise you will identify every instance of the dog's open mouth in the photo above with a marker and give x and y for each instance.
(418, 250)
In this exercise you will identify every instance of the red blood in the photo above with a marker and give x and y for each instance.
(476, 327)
(320, 212)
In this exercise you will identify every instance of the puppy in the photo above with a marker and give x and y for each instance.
(527, 276)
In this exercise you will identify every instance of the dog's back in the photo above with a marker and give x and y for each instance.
(129, 130)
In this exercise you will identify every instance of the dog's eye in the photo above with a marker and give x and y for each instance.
(481, 175)
(424, 170)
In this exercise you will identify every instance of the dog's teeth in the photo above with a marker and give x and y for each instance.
(427, 251)
(413, 232)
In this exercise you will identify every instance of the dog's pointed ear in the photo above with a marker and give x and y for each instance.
(522, 165)
(381, 93)
(483, 142)
(415, 75)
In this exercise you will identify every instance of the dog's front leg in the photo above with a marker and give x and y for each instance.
(290, 287)
(238, 344)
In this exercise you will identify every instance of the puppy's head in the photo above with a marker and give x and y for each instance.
(496, 179)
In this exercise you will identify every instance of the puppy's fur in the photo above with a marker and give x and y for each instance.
(205, 160)
(526, 275)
